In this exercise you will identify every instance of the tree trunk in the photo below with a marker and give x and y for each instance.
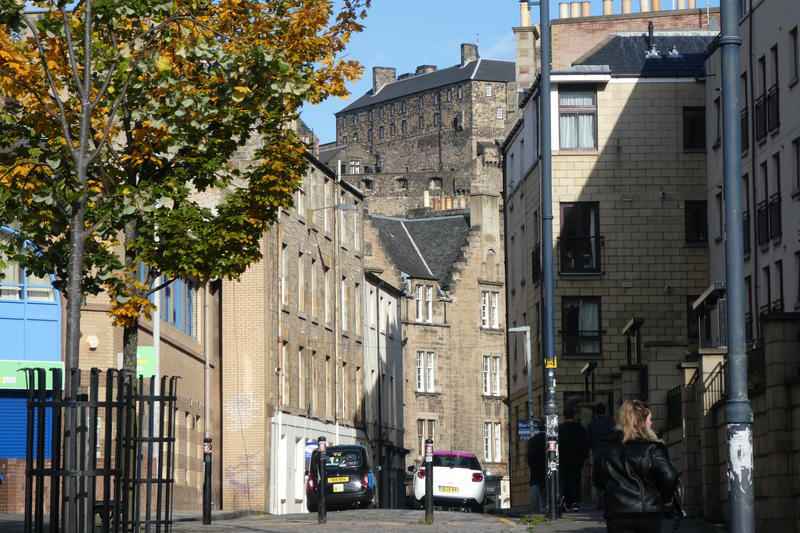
(77, 241)
(130, 334)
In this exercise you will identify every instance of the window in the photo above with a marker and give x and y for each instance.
(369, 115)
(355, 137)
(325, 203)
(326, 272)
(496, 375)
(284, 272)
(419, 303)
(393, 129)
(436, 99)
(345, 388)
(775, 226)
(358, 310)
(796, 163)
(435, 184)
(367, 185)
(355, 166)
(695, 221)
(425, 430)
(797, 277)
(744, 114)
(301, 386)
(313, 286)
(403, 107)
(404, 127)
(421, 102)
(767, 290)
(381, 111)
(580, 323)
(421, 123)
(301, 282)
(488, 91)
(492, 439)
(391, 110)
(487, 369)
(580, 238)
(428, 304)
(18, 284)
(494, 310)
(577, 118)
(425, 371)
(694, 128)
(498, 112)
(777, 303)
(344, 308)
(484, 309)
(449, 95)
(773, 106)
(402, 184)
(369, 135)
(794, 65)
(381, 132)
(436, 119)
(718, 134)
(459, 93)
(284, 371)
(177, 305)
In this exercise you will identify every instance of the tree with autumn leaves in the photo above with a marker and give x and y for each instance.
(118, 121)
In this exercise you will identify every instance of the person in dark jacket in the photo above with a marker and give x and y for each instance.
(537, 464)
(598, 429)
(573, 449)
(635, 471)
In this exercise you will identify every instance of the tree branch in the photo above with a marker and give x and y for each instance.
(70, 51)
(165, 284)
(33, 92)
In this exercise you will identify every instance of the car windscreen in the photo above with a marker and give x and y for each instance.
(345, 459)
(455, 461)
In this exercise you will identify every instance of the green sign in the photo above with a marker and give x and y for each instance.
(12, 378)
(146, 361)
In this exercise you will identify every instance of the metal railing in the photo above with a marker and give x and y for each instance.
(775, 215)
(746, 230)
(715, 386)
(761, 117)
(112, 452)
(745, 136)
(762, 223)
(579, 255)
(674, 410)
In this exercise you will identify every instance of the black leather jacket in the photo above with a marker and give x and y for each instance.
(637, 476)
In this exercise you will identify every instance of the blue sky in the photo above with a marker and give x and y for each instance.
(407, 33)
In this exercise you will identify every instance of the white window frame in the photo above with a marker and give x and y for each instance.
(498, 443)
(496, 375)
(301, 282)
(419, 303)
(495, 310)
(420, 371)
(488, 91)
(486, 374)
(428, 304)
(498, 112)
(484, 309)
(487, 441)
(326, 293)
(344, 303)
(301, 396)
(284, 271)
(430, 372)
(284, 371)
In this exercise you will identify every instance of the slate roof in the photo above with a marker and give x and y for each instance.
(424, 248)
(625, 53)
(326, 155)
(478, 70)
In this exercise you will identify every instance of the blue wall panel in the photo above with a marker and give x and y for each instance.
(13, 426)
(42, 340)
(12, 339)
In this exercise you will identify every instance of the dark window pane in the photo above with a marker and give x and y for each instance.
(694, 128)
(696, 221)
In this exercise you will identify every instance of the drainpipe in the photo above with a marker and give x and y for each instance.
(754, 200)
(738, 412)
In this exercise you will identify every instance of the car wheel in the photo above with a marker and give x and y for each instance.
(477, 508)
(417, 504)
(312, 508)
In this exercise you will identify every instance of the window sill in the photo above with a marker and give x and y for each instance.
(776, 240)
(775, 130)
(492, 396)
(697, 150)
(697, 244)
(718, 239)
(796, 194)
(425, 393)
(582, 274)
(492, 331)
(793, 82)
(577, 151)
(715, 146)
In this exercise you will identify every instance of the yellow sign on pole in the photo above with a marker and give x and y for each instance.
(551, 363)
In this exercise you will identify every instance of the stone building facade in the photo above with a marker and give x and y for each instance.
(454, 383)
(630, 236)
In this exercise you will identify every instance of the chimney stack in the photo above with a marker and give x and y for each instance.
(469, 52)
(608, 7)
(644, 6)
(655, 5)
(692, 4)
(586, 8)
(524, 13)
(626, 6)
(563, 10)
(382, 76)
(681, 4)
(574, 9)
(424, 69)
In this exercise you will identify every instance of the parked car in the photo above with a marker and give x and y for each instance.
(458, 481)
(350, 480)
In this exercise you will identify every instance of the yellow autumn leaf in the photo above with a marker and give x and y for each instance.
(163, 63)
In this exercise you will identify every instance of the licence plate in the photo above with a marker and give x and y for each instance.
(343, 479)
(447, 489)
(338, 487)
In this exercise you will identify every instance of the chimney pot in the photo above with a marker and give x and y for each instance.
(655, 5)
(692, 4)
(644, 6)
(586, 8)
(574, 9)
(524, 13)
(424, 69)
(563, 10)
(469, 52)
(681, 4)
(382, 76)
(626, 6)
(608, 7)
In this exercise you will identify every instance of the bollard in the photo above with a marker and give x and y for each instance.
(207, 481)
(322, 448)
(429, 481)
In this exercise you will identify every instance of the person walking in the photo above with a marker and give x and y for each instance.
(634, 469)
(598, 429)
(573, 449)
(536, 463)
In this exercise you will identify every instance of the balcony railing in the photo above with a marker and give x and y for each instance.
(715, 386)
(745, 136)
(777, 306)
(580, 255)
(773, 108)
(762, 223)
(761, 117)
(775, 216)
(764, 309)
(746, 230)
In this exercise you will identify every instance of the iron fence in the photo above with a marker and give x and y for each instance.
(715, 386)
(111, 466)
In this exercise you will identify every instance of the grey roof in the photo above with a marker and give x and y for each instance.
(478, 70)
(424, 248)
(326, 155)
(625, 53)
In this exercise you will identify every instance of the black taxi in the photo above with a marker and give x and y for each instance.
(350, 482)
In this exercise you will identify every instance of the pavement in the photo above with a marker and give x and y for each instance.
(392, 520)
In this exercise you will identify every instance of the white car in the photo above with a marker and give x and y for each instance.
(458, 481)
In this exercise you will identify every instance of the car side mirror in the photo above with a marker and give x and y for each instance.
(378, 468)
(411, 468)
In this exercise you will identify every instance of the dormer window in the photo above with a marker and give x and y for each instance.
(435, 183)
(355, 166)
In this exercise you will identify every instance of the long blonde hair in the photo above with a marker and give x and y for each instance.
(632, 420)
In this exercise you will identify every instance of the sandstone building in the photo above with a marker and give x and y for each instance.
(630, 250)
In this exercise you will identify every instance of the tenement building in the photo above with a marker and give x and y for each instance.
(630, 234)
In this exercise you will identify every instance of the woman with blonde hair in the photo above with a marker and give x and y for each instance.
(634, 469)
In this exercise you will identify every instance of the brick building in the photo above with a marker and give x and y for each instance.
(628, 170)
